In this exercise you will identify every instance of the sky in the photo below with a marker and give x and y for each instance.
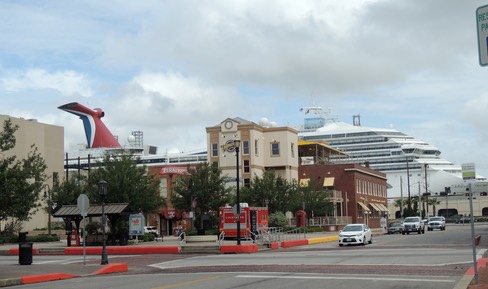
(173, 68)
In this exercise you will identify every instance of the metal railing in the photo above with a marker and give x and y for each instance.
(324, 221)
(221, 238)
(182, 238)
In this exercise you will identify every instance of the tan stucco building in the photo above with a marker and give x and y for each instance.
(49, 140)
(261, 148)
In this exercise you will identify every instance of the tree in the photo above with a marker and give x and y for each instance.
(21, 181)
(127, 183)
(433, 202)
(315, 200)
(274, 191)
(203, 186)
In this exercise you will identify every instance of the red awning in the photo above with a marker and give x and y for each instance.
(170, 214)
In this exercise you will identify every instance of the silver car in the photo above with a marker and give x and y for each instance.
(355, 234)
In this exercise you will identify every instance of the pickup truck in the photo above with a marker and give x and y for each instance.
(413, 224)
(436, 223)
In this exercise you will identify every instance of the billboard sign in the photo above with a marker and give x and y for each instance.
(136, 225)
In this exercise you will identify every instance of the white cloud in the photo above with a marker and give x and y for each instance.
(68, 83)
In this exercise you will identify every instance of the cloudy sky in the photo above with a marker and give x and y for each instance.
(172, 68)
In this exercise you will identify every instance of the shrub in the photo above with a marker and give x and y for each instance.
(277, 219)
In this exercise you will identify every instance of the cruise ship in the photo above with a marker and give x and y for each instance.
(412, 165)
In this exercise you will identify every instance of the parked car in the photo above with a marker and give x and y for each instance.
(395, 228)
(151, 230)
(436, 223)
(355, 234)
(413, 224)
(463, 220)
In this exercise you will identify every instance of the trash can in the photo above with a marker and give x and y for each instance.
(23, 237)
(25, 253)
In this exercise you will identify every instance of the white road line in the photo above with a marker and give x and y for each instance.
(443, 280)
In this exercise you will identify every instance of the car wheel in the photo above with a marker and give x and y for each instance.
(423, 231)
(408, 233)
(403, 233)
(340, 245)
(370, 240)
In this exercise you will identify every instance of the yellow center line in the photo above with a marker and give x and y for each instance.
(189, 282)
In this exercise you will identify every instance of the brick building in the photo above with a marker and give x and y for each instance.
(358, 191)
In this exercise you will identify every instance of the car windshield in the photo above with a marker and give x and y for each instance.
(435, 219)
(353, 228)
(411, 220)
(395, 225)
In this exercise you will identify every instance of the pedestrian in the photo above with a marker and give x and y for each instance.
(180, 231)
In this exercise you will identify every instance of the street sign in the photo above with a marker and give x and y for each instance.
(83, 204)
(469, 171)
(482, 26)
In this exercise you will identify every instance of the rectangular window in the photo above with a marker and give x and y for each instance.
(163, 187)
(275, 149)
(215, 150)
(292, 150)
(245, 147)
(256, 147)
(247, 183)
(247, 168)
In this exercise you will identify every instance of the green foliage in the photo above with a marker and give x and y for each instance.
(147, 237)
(93, 228)
(315, 200)
(277, 219)
(127, 183)
(42, 238)
(273, 190)
(205, 185)
(282, 196)
(20, 180)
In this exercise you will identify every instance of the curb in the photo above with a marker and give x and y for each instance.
(469, 275)
(112, 268)
(237, 249)
(31, 279)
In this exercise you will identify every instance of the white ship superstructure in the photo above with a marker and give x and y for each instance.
(412, 165)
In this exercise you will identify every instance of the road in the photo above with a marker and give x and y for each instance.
(435, 259)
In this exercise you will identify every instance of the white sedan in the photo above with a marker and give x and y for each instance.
(355, 234)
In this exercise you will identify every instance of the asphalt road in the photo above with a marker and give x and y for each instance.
(437, 259)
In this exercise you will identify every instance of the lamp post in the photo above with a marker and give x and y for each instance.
(237, 143)
(102, 190)
(47, 193)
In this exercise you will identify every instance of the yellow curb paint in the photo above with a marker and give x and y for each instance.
(323, 240)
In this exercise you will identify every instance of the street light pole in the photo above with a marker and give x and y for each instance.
(237, 143)
(102, 190)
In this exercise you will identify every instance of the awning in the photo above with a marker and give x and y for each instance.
(364, 206)
(304, 182)
(383, 207)
(170, 214)
(329, 182)
(71, 211)
(376, 207)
